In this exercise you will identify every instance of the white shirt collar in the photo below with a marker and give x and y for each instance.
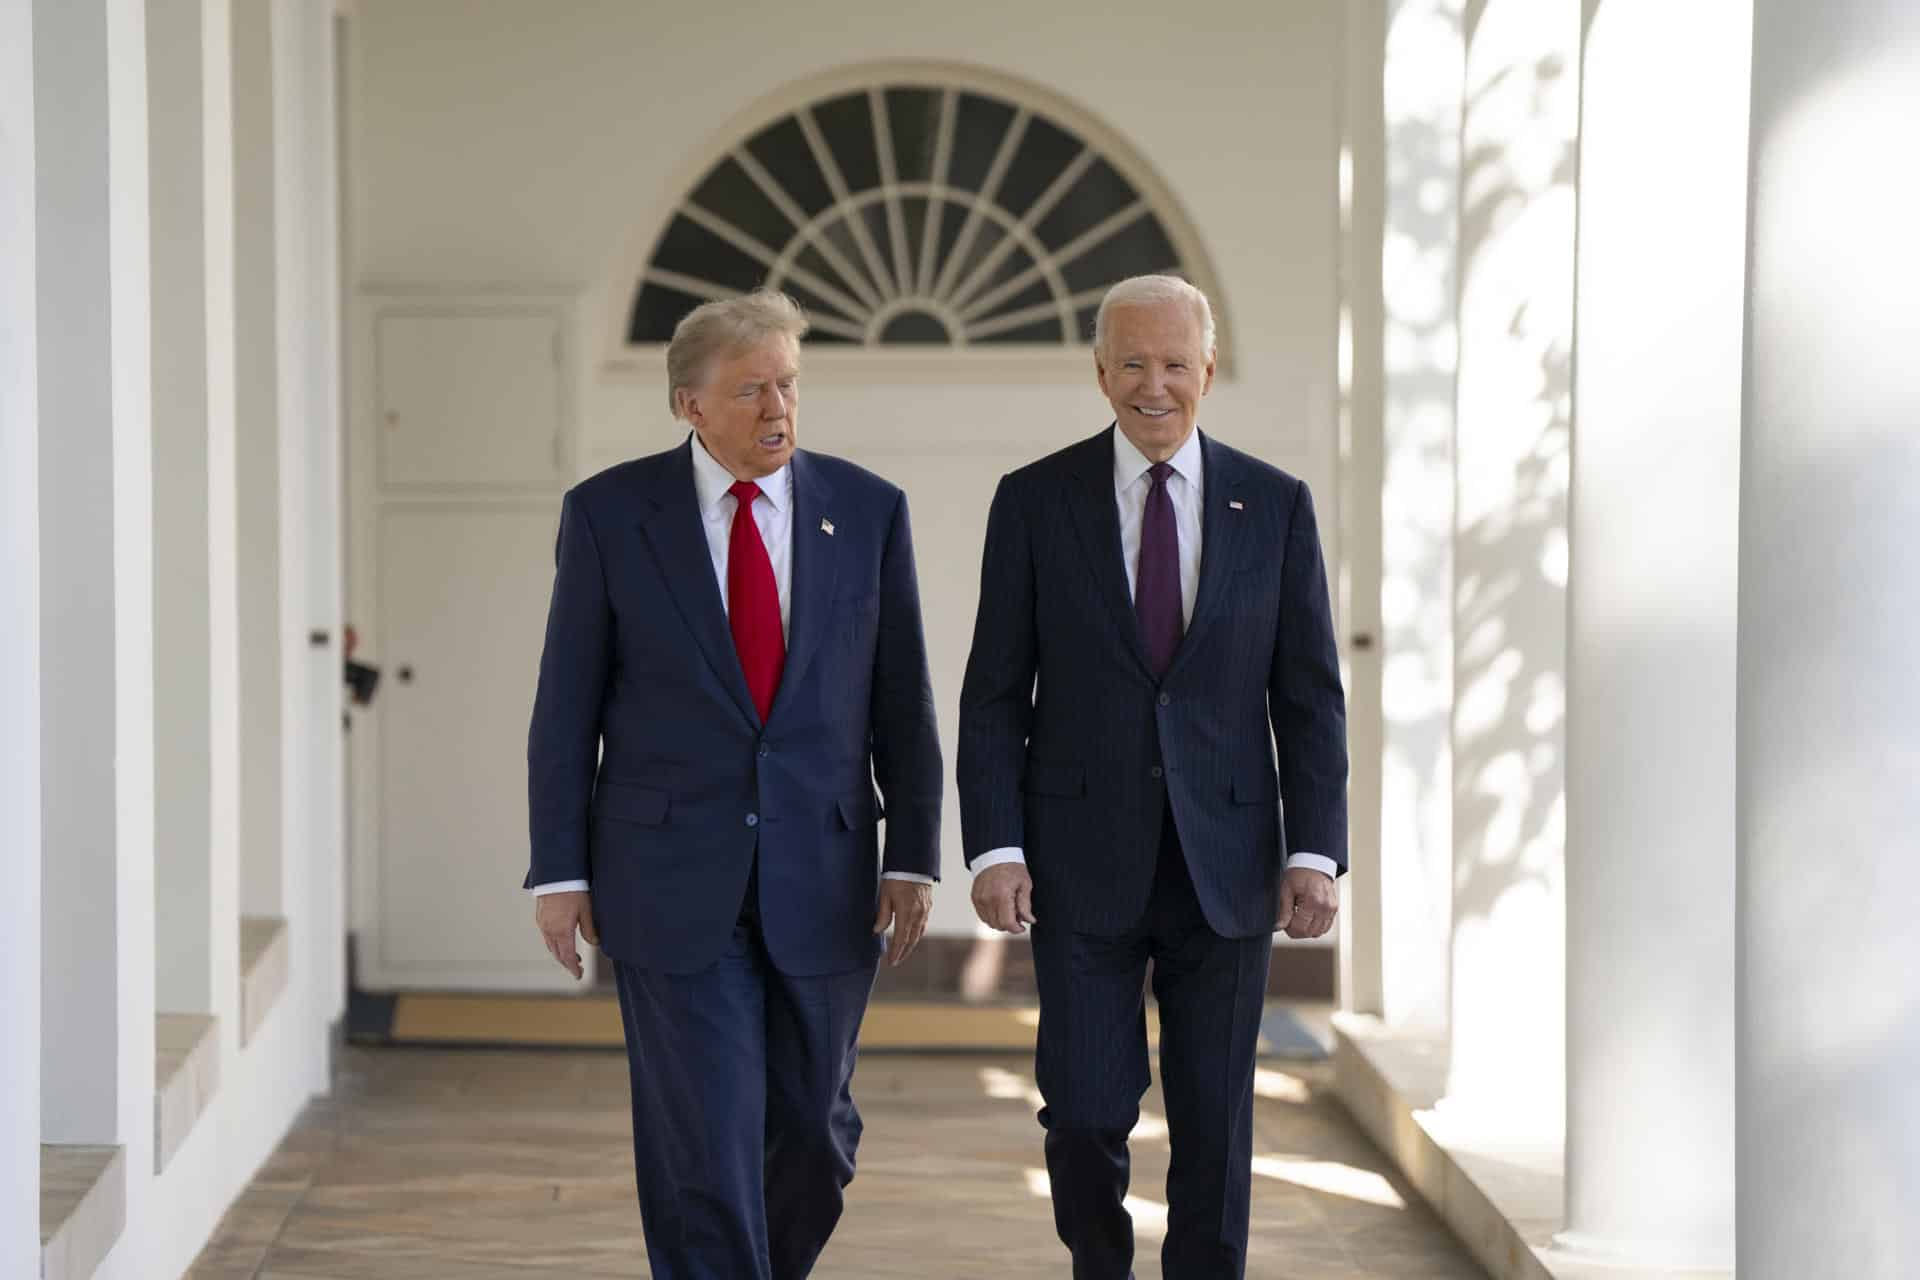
(711, 481)
(1129, 464)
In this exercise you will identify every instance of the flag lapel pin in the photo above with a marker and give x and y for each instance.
(826, 527)
(1236, 504)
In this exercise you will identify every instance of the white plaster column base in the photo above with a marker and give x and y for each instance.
(1500, 1191)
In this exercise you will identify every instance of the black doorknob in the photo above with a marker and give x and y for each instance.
(405, 675)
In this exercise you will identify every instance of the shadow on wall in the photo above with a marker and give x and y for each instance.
(1513, 439)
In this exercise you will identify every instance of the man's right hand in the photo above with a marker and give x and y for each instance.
(559, 916)
(1003, 897)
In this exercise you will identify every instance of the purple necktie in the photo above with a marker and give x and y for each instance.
(1156, 588)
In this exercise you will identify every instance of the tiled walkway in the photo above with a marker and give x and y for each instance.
(485, 1165)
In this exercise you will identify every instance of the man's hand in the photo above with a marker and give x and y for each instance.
(1309, 900)
(559, 915)
(903, 904)
(1003, 897)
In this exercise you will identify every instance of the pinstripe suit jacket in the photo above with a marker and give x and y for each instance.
(1079, 772)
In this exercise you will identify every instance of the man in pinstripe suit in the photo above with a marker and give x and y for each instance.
(1174, 790)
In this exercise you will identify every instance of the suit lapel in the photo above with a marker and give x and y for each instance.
(1219, 544)
(1096, 516)
(675, 532)
(816, 564)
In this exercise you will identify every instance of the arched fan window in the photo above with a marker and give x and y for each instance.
(911, 214)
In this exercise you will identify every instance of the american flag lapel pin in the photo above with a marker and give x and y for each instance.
(1236, 504)
(826, 527)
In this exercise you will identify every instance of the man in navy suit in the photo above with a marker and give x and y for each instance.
(734, 657)
(1174, 791)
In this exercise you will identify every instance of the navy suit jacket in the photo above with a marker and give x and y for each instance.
(1080, 773)
(649, 772)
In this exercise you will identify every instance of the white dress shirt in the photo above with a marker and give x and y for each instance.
(773, 515)
(1186, 488)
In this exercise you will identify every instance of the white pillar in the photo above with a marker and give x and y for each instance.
(182, 636)
(308, 194)
(1507, 1052)
(1651, 621)
(257, 459)
(96, 664)
(1829, 694)
(222, 547)
(19, 660)
(1422, 86)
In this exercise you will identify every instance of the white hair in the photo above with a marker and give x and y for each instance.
(1148, 291)
(726, 327)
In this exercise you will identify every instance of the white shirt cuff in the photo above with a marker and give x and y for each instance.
(912, 877)
(1315, 862)
(998, 857)
(561, 886)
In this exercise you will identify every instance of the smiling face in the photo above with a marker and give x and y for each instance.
(747, 408)
(1154, 368)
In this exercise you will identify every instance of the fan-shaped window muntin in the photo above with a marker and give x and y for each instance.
(908, 214)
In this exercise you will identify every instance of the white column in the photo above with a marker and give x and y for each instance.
(1507, 1052)
(306, 147)
(257, 460)
(96, 667)
(222, 547)
(1828, 1031)
(1651, 621)
(1423, 81)
(182, 638)
(19, 660)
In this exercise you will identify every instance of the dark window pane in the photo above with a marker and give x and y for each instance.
(1100, 193)
(728, 192)
(914, 212)
(880, 231)
(979, 125)
(1015, 263)
(1139, 248)
(1031, 296)
(1044, 151)
(812, 260)
(692, 250)
(782, 150)
(812, 301)
(847, 124)
(822, 336)
(986, 235)
(655, 311)
(1039, 331)
(840, 237)
(913, 115)
(915, 327)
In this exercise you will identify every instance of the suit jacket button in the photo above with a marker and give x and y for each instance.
(753, 819)
(1158, 771)
(1166, 699)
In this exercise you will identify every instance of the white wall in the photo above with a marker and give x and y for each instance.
(19, 659)
(493, 147)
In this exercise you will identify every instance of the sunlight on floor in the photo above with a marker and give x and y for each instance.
(1331, 1178)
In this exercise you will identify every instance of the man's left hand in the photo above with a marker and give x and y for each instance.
(904, 904)
(1309, 900)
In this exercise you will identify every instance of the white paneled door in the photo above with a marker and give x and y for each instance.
(464, 455)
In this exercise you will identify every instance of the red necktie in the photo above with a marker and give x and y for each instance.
(753, 603)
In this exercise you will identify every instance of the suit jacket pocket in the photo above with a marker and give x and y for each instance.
(645, 806)
(1047, 779)
(857, 812)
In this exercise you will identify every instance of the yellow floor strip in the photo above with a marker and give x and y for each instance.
(594, 1021)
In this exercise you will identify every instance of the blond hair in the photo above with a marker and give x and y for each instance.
(727, 327)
